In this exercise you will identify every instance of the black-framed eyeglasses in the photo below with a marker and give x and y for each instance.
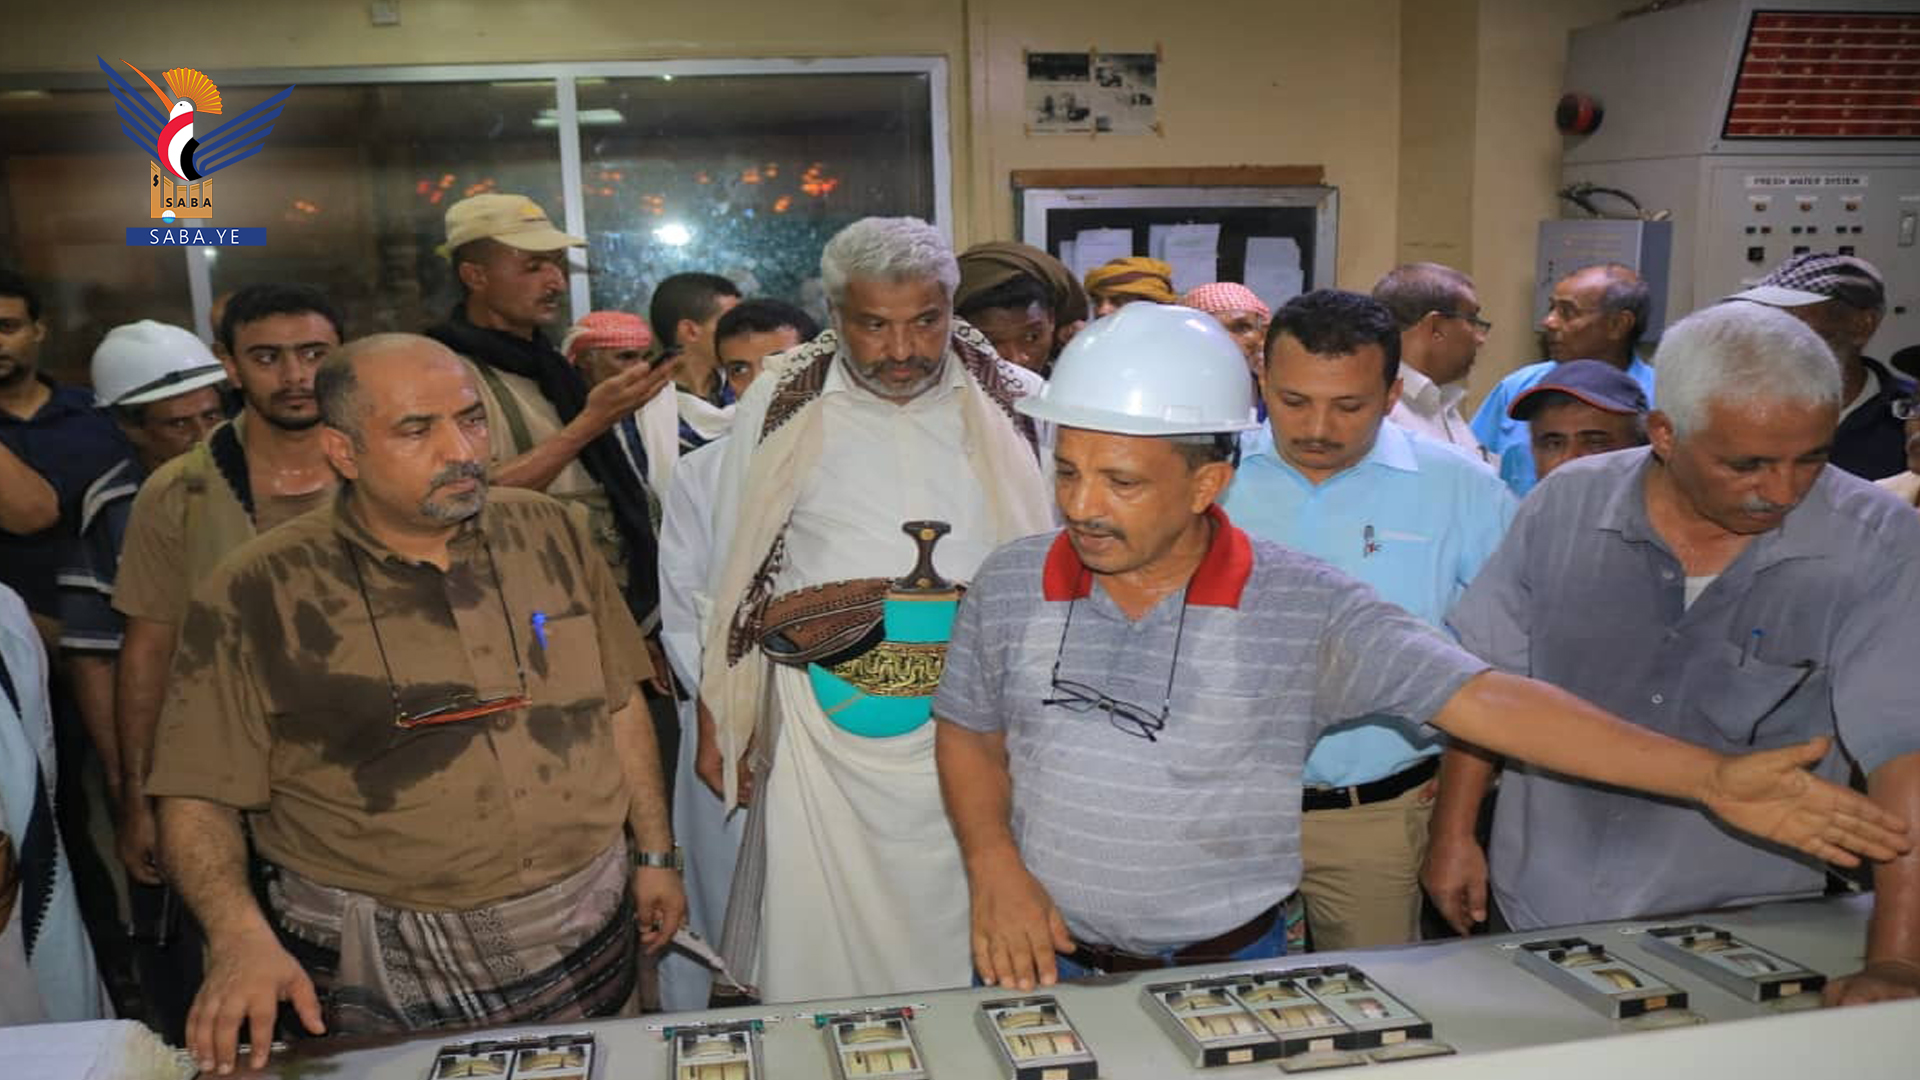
(467, 706)
(1132, 719)
(1905, 408)
(1479, 324)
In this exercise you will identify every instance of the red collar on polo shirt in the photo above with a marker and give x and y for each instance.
(1218, 582)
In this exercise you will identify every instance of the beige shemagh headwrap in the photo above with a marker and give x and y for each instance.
(736, 692)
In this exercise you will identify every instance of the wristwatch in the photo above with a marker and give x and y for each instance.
(660, 860)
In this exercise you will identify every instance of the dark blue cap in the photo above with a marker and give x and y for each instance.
(1594, 382)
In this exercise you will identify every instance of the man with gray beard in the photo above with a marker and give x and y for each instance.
(828, 608)
(424, 698)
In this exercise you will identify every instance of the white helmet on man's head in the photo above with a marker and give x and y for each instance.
(1149, 369)
(146, 361)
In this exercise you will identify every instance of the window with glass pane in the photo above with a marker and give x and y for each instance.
(747, 176)
(355, 182)
(70, 186)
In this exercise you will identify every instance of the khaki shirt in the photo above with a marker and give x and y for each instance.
(280, 704)
(501, 391)
(155, 578)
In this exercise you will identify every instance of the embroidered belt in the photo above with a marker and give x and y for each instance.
(896, 668)
(873, 649)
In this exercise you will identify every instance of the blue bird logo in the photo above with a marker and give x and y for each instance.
(168, 133)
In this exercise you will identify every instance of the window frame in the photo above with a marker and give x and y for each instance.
(566, 76)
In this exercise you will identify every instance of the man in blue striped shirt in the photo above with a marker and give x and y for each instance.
(1138, 807)
(1411, 517)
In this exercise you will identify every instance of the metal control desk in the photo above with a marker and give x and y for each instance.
(1503, 1020)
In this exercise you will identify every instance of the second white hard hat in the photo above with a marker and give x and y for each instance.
(1149, 369)
(147, 361)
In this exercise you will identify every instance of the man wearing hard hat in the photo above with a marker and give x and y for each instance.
(1128, 702)
(160, 384)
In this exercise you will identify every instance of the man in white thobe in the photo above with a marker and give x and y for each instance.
(850, 880)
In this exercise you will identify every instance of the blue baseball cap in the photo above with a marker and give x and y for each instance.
(1592, 382)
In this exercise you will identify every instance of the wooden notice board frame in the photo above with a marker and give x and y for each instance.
(1053, 205)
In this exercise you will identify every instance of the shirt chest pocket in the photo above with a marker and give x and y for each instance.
(564, 664)
(1750, 703)
(1212, 735)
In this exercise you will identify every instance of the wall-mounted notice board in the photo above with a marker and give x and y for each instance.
(1274, 228)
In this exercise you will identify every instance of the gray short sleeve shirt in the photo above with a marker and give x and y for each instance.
(1809, 632)
(1149, 845)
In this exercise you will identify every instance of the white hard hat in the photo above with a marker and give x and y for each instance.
(146, 361)
(1149, 369)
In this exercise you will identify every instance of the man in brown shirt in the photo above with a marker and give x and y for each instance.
(421, 699)
(261, 469)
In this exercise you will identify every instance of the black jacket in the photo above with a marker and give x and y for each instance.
(1871, 444)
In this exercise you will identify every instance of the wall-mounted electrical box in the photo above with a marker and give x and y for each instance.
(1765, 129)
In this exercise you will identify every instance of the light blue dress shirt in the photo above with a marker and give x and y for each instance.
(1507, 439)
(1414, 519)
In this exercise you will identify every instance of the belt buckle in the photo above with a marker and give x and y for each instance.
(1350, 793)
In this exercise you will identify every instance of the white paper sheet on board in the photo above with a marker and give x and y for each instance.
(1194, 253)
(1157, 241)
(1068, 258)
(1273, 269)
(1097, 247)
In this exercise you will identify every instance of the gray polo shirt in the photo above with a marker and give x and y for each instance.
(1583, 594)
(1156, 845)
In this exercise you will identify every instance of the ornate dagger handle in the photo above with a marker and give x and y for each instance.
(923, 578)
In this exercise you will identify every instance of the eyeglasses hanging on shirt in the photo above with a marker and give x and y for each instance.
(464, 706)
(1133, 719)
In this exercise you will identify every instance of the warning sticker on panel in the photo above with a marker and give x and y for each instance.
(1809, 180)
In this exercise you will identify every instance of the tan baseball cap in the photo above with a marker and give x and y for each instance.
(514, 220)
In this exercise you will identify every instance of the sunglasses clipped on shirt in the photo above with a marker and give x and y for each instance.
(460, 706)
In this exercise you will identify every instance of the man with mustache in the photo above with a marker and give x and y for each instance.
(848, 881)
(262, 468)
(1127, 703)
(1412, 517)
(1582, 407)
(551, 433)
(421, 699)
(1726, 586)
(160, 384)
(1597, 312)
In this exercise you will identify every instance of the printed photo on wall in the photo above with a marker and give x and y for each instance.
(1124, 88)
(1059, 93)
(1081, 93)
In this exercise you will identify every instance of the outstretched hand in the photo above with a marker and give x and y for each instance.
(1771, 795)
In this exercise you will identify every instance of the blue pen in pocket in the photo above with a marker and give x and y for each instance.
(540, 628)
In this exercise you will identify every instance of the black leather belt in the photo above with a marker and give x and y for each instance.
(1213, 950)
(1387, 787)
